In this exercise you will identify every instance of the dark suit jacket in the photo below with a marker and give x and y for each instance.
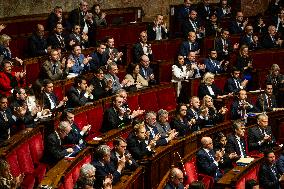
(206, 165)
(213, 68)
(268, 43)
(52, 20)
(235, 28)
(255, 135)
(181, 127)
(98, 60)
(233, 146)
(152, 34)
(170, 186)
(75, 99)
(99, 88)
(104, 170)
(54, 150)
(75, 17)
(276, 82)
(111, 120)
(203, 91)
(236, 110)
(187, 26)
(55, 43)
(138, 52)
(114, 160)
(46, 101)
(262, 103)
(202, 12)
(138, 149)
(78, 40)
(231, 85)
(267, 179)
(37, 46)
(246, 40)
(220, 48)
(185, 48)
(5, 53)
(6, 125)
(210, 29)
(280, 164)
(183, 13)
(73, 136)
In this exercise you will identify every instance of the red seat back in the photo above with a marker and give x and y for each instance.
(167, 98)
(81, 120)
(12, 159)
(191, 171)
(36, 147)
(24, 158)
(148, 101)
(95, 118)
(132, 101)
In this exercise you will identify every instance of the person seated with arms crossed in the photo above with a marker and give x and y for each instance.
(105, 166)
(138, 144)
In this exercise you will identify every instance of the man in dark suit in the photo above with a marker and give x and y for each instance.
(247, 38)
(266, 102)
(192, 24)
(80, 93)
(146, 71)
(78, 15)
(54, 150)
(237, 26)
(236, 142)
(38, 43)
(269, 176)
(260, 137)
(112, 52)
(102, 88)
(54, 18)
(78, 37)
(137, 143)
(104, 166)
(185, 10)
(240, 106)
(190, 45)
(157, 30)
(213, 65)
(207, 160)
(99, 57)
(204, 9)
(75, 136)
(270, 40)
(49, 99)
(224, 10)
(118, 151)
(175, 179)
(142, 48)
(234, 84)
(56, 39)
(115, 116)
(6, 120)
(224, 46)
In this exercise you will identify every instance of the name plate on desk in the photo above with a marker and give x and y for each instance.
(244, 161)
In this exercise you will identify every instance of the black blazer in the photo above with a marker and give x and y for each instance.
(236, 110)
(111, 120)
(138, 52)
(46, 101)
(37, 46)
(98, 60)
(255, 135)
(73, 136)
(262, 103)
(267, 179)
(54, 150)
(203, 91)
(104, 170)
(235, 28)
(100, 88)
(268, 43)
(152, 34)
(138, 149)
(75, 99)
(181, 127)
(233, 146)
(231, 86)
(54, 42)
(114, 160)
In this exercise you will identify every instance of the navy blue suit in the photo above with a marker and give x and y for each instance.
(231, 86)
(280, 164)
(98, 60)
(75, 99)
(237, 110)
(206, 165)
(137, 148)
(152, 33)
(186, 47)
(233, 145)
(268, 43)
(138, 52)
(161, 141)
(181, 127)
(37, 46)
(222, 46)
(263, 103)
(267, 178)
(246, 40)
(236, 28)
(213, 66)
(5, 125)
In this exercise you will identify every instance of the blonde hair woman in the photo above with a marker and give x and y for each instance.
(207, 87)
(5, 49)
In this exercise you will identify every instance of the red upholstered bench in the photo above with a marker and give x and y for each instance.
(167, 98)
(148, 101)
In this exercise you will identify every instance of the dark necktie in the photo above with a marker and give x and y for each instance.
(268, 102)
(54, 69)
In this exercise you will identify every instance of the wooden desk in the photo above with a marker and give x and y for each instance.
(131, 180)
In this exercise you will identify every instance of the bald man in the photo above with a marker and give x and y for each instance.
(207, 160)
(37, 42)
(175, 180)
